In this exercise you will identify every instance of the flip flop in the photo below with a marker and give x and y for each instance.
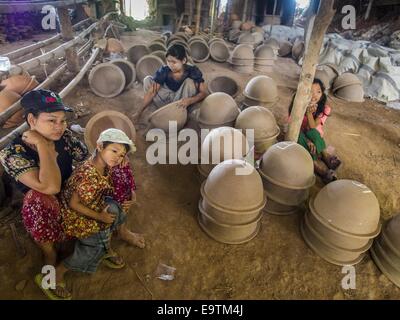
(49, 292)
(110, 263)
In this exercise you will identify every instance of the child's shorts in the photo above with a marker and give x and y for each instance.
(88, 252)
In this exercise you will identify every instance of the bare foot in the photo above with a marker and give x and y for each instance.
(134, 239)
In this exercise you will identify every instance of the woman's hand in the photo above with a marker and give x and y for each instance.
(311, 147)
(106, 217)
(184, 103)
(33, 138)
(128, 204)
(153, 89)
(312, 107)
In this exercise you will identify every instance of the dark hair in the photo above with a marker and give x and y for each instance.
(321, 103)
(107, 143)
(177, 51)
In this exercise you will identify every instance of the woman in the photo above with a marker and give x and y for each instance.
(312, 133)
(177, 81)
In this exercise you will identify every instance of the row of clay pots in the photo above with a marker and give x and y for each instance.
(221, 144)
(109, 79)
(287, 171)
(386, 250)
(231, 203)
(263, 122)
(260, 91)
(348, 87)
(11, 90)
(341, 222)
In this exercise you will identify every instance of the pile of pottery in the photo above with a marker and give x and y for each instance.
(106, 120)
(224, 84)
(386, 250)
(263, 124)
(11, 90)
(264, 58)
(217, 110)
(273, 43)
(147, 66)
(243, 59)
(199, 50)
(327, 73)
(348, 87)
(219, 51)
(260, 91)
(342, 221)
(221, 144)
(172, 112)
(287, 171)
(136, 52)
(114, 46)
(285, 48)
(231, 201)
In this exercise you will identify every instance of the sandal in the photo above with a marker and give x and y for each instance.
(51, 293)
(110, 259)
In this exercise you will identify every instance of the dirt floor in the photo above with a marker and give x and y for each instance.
(277, 264)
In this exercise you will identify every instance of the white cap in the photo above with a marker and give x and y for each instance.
(116, 136)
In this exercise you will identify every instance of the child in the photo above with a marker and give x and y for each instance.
(311, 133)
(90, 213)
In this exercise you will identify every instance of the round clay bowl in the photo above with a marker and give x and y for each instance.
(390, 251)
(246, 38)
(264, 52)
(20, 83)
(171, 112)
(391, 232)
(196, 38)
(199, 51)
(7, 99)
(247, 102)
(272, 42)
(114, 46)
(258, 37)
(243, 52)
(219, 51)
(215, 40)
(384, 264)
(218, 108)
(128, 69)
(288, 165)
(156, 46)
(262, 145)
(297, 49)
(348, 207)
(107, 80)
(147, 66)
(106, 120)
(261, 88)
(225, 233)
(351, 93)
(161, 55)
(136, 52)
(224, 84)
(285, 48)
(344, 80)
(275, 208)
(227, 189)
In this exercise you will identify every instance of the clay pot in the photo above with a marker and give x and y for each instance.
(285, 48)
(215, 40)
(221, 144)
(219, 51)
(246, 38)
(157, 47)
(128, 69)
(273, 43)
(161, 55)
(196, 38)
(199, 51)
(344, 80)
(327, 73)
(171, 112)
(182, 35)
(351, 93)
(243, 68)
(258, 37)
(298, 49)
(260, 91)
(159, 40)
(20, 84)
(224, 84)
(264, 52)
(183, 44)
(147, 66)
(242, 52)
(107, 80)
(278, 209)
(174, 38)
(136, 52)
(106, 120)
(114, 46)
(7, 99)
(217, 109)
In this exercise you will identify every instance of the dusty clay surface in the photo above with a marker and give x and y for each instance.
(277, 264)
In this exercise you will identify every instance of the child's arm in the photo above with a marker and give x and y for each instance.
(103, 216)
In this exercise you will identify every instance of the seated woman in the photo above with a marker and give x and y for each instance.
(177, 81)
(312, 132)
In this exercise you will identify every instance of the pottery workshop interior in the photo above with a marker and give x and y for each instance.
(224, 149)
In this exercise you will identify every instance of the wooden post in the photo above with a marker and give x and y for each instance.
(368, 9)
(212, 16)
(273, 17)
(302, 98)
(122, 7)
(244, 15)
(199, 2)
(67, 34)
(190, 12)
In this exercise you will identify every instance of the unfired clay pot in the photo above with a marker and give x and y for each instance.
(136, 52)
(171, 112)
(20, 84)
(224, 84)
(219, 51)
(107, 80)
(285, 48)
(261, 90)
(199, 51)
(128, 69)
(147, 66)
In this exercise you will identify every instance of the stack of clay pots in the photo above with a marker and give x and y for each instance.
(106, 120)
(386, 250)
(217, 110)
(114, 46)
(263, 122)
(11, 90)
(264, 58)
(231, 202)
(221, 144)
(147, 66)
(287, 171)
(342, 221)
(224, 84)
(136, 52)
(171, 112)
(348, 87)
(260, 91)
(199, 50)
(285, 48)
(327, 73)
(219, 51)
(246, 38)
(298, 49)
(243, 59)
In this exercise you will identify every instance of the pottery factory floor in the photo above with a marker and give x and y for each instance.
(277, 264)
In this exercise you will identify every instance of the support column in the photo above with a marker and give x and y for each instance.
(67, 33)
